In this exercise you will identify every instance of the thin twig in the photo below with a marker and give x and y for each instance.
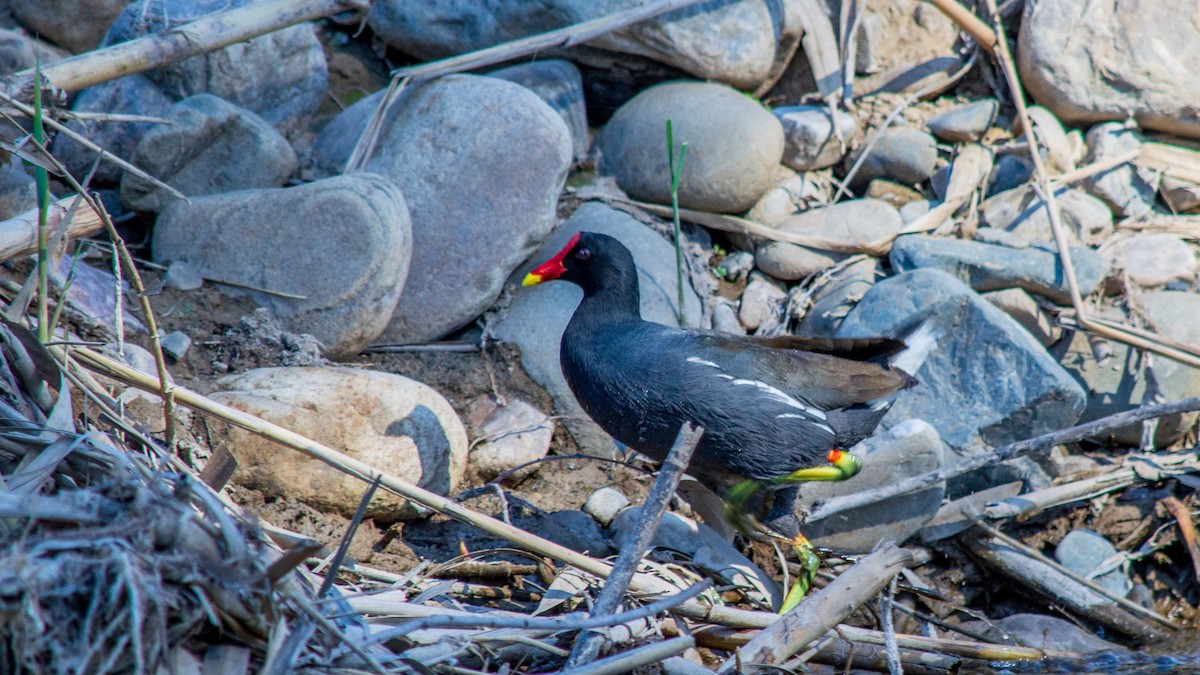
(977, 461)
(587, 645)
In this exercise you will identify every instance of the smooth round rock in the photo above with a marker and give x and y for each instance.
(388, 421)
(481, 162)
(855, 221)
(208, 146)
(1153, 260)
(964, 123)
(1083, 551)
(507, 436)
(760, 301)
(344, 243)
(815, 136)
(734, 146)
(604, 505)
(902, 154)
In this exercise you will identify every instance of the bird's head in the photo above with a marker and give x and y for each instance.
(592, 261)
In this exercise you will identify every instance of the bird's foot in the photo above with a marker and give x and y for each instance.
(737, 500)
(809, 564)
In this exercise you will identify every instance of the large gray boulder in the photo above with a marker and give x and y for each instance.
(481, 162)
(1094, 61)
(344, 243)
(988, 382)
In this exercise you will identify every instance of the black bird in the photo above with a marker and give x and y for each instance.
(776, 411)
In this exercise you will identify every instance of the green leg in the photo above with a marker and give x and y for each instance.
(842, 465)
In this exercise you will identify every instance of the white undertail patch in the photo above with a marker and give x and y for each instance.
(919, 344)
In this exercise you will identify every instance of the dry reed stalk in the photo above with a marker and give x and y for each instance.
(818, 613)
(19, 234)
(192, 39)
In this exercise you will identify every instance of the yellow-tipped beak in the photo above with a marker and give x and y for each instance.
(532, 279)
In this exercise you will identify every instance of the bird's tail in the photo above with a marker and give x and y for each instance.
(918, 345)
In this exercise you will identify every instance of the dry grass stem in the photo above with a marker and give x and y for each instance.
(204, 35)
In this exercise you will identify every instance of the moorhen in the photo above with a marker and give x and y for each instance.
(776, 411)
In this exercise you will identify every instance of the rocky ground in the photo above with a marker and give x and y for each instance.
(348, 270)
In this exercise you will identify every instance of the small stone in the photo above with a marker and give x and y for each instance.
(1010, 171)
(1039, 631)
(913, 210)
(964, 123)
(1152, 260)
(93, 294)
(75, 26)
(577, 531)
(761, 300)
(734, 146)
(604, 505)
(507, 436)
(737, 265)
(1087, 220)
(810, 139)
(939, 182)
(791, 192)
(1182, 196)
(1085, 551)
(18, 190)
(892, 192)
(379, 418)
(351, 282)
(834, 300)
(175, 344)
(905, 155)
(183, 276)
(990, 267)
(1018, 304)
(1118, 381)
(855, 221)
(725, 317)
(1128, 189)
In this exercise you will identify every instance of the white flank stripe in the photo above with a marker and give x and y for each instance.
(697, 359)
(782, 397)
(808, 419)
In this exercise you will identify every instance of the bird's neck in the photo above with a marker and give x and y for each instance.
(613, 299)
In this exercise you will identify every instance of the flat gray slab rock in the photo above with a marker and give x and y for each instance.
(856, 221)
(816, 136)
(1119, 381)
(748, 32)
(1087, 220)
(964, 123)
(1152, 260)
(537, 316)
(1149, 54)
(281, 75)
(988, 382)
(388, 421)
(991, 267)
(907, 449)
(734, 146)
(343, 242)
(481, 162)
(208, 146)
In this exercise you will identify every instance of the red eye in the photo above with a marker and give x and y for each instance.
(583, 254)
